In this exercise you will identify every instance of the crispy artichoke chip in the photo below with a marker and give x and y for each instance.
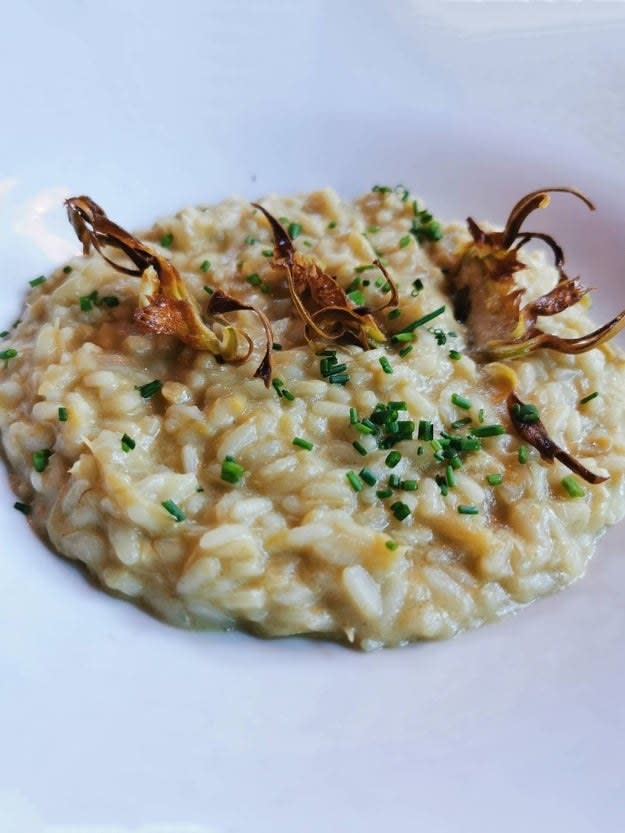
(320, 301)
(535, 434)
(486, 297)
(165, 306)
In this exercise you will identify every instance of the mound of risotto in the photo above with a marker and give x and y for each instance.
(312, 416)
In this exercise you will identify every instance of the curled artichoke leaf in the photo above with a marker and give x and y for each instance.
(165, 307)
(535, 434)
(320, 301)
(487, 299)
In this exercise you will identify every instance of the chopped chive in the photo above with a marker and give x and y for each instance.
(365, 268)
(167, 240)
(398, 405)
(459, 423)
(401, 337)
(573, 486)
(9, 353)
(381, 189)
(442, 485)
(208, 289)
(455, 462)
(267, 252)
(4, 334)
(276, 346)
(394, 313)
(41, 458)
(384, 493)
(353, 416)
(425, 430)
(450, 476)
(385, 364)
(494, 430)
(63, 414)
(494, 479)
(363, 428)
(86, 303)
(373, 229)
(24, 508)
(300, 442)
(417, 286)
(250, 240)
(391, 545)
(149, 389)
(404, 241)
(277, 385)
(332, 224)
(338, 378)
(522, 454)
(394, 481)
(231, 471)
(294, 230)
(589, 398)
(174, 510)
(464, 509)
(67, 269)
(405, 350)
(400, 510)
(424, 320)
(368, 476)
(392, 459)
(455, 355)
(420, 451)
(37, 281)
(205, 266)
(286, 394)
(480, 415)
(128, 443)
(360, 448)
(254, 279)
(409, 485)
(379, 283)
(460, 401)
(354, 481)
(357, 298)
(526, 412)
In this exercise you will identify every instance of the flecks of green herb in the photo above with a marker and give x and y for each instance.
(495, 479)
(63, 414)
(367, 476)
(400, 510)
(267, 252)
(455, 355)
(294, 230)
(354, 481)
(391, 545)
(9, 353)
(409, 485)
(174, 510)
(460, 401)
(384, 493)
(167, 240)
(405, 350)
(373, 229)
(464, 509)
(392, 459)
(208, 289)
(526, 412)
(67, 269)
(404, 241)
(459, 423)
(573, 487)
(589, 398)
(41, 458)
(394, 313)
(254, 279)
(423, 320)
(494, 430)
(231, 471)
(385, 364)
(300, 442)
(37, 281)
(24, 508)
(205, 266)
(149, 389)
(360, 448)
(522, 454)
(332, 224)
(128, 444)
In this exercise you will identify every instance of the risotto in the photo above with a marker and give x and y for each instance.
(392, 482)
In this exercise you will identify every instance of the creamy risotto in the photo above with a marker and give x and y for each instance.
(375, 495)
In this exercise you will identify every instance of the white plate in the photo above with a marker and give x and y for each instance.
(111, 717)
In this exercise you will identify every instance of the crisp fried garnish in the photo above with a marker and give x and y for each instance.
(530, 428)
(486, 296)
(321, 303)
(165, 305)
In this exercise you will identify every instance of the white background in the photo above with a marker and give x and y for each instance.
(111, 721)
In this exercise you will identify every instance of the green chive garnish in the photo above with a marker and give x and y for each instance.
(41, 458)
(360, 448)
(353, 416)
(302, 443)
(368, 476)
(409, 485)
(167, 240)
(63, 414)
(494, 479)
(423, 320)
(460, 401)
(174, 510)
(67, 269)
(294, 230)
(10, 353)
(455, 355)
(589, 398)
(405, 350)
(205, 266)
(37, 281)
(573, 486)
(522, 454)
(149, 389)
(494, 430)
(464, 509)
(394, 313)
(392, 459)
(127, 443)
(385, 364)
(400, 510)
(391, 545)
(450, 476)
(24, 508)
(354, 481)
(254, 279)
(404, 241)
(425, 430)
(525, 412)
(332, 224)
(384, 493)
(231, 471)
(267, 252)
